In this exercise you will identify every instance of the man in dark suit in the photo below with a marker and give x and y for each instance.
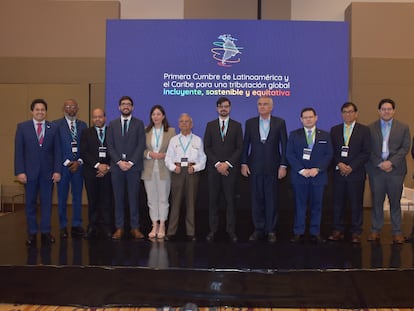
(70, 130)
(351, 146)
(309, 153)
(37, 166)
(97, 177)
(223, 142)
(126, 144)
(264, 159)
(387, 167)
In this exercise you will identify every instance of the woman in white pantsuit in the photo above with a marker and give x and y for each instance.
(156, 176)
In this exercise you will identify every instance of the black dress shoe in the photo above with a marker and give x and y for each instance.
(170, 237)
(63, 233)
(77, 232)
(31, 239)
(47, 238)
(271, 237)
(316, 239)
(233, 237)
(90, 234)
(256, 236)
(210, 237)
(410, 238)
(297, 238)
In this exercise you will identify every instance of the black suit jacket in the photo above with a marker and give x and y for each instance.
(219, 150)
(89, 150)
(264, 158)
(359, 149)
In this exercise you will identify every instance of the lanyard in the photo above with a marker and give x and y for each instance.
(188, 144)
(222, 128)
(157, 135)
(386, 131)
(347, 133)
(101, 138)
(310, 137)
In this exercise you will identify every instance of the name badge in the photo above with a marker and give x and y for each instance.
(102, 152)
(344, 151)
(384, 146)
(184, 162)
(306, 153)
(74, 146)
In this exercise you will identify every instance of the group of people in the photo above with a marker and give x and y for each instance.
(112, 160)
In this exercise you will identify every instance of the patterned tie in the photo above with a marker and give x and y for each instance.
(39, 133)
(73, 131)
(125, 130)
(310, 140)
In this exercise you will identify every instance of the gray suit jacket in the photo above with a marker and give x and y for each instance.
(149, 163)
(398, 145)
(132, 144)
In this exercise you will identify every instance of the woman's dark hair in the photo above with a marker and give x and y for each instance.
(165, 123)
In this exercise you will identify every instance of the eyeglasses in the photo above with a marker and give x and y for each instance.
(223, 106)
(348, 111)
(125, 104)
(71, 107)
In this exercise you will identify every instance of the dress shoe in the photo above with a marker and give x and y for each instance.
(271, 237)
(356, 238)
(63, 233)
(398, 239)
(210, 237)
(106, 235)
(336, 236)
(233, 237)
(316, 239)
(190, 238)
(47, 238)
(31, 239)
(136, 234)
(90, 234)
(77, 232)
(256, 236)
(410, 238)
(373, 237)
(170, 237)
(118, 234)
(297, 238)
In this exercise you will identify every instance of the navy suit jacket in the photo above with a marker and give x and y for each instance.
(264, 158)
(65, 137)
(359, 149)
(219, 150)
(321, 156)
(32, 159)
(132, 144)
(89, 151)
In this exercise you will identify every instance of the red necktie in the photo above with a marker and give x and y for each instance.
(39, 133)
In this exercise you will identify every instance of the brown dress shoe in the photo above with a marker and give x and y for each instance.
(356, 238)
(336, 236)
(136, 234)
(118, 234)
(373, 237)
(398, 239)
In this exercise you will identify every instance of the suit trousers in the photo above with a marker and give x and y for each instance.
(43, 186)
(100, 208)
(158, 191)
(385, 184)
(225, 185)
(303, 194)
(264, 190)
(351, 191)
(183, 186)
(75, 181)
(126, 182)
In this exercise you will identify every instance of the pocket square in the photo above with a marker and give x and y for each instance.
(322, 142)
